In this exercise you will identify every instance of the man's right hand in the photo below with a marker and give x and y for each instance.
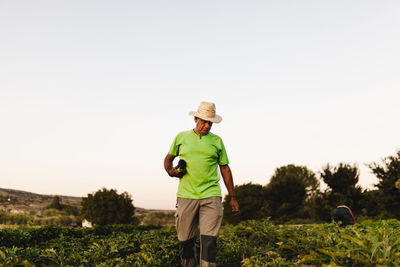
(172, 171)
(175, 173)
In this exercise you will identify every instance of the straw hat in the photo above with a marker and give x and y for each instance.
(206, 111)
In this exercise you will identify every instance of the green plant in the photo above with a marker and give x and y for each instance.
(249, 243)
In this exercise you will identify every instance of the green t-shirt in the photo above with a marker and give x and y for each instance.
(202, 156)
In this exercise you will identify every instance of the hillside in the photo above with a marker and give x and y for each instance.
(17, 201)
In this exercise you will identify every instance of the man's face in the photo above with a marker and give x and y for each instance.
(203, 127)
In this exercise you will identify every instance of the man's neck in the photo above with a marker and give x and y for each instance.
(197, 132)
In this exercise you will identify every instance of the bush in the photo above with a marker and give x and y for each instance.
(53, 212)
(15, 218)
(159, 218)
(67, 209)
(108, 207)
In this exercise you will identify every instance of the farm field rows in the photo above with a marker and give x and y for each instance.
(251, 243)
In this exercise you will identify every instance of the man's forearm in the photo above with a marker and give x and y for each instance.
(168, 163)
(228, 179)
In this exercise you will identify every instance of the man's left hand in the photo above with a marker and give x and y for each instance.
(234, 205)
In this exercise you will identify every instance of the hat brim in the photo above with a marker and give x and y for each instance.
(216, 119)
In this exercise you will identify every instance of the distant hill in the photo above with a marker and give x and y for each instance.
(17, 201)
(12, 200)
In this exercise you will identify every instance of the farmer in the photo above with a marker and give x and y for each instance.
(343, 215)
(199, 194)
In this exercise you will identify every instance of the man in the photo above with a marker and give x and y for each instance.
(344, 216)
(199, 194)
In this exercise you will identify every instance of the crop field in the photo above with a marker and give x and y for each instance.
(251, 243)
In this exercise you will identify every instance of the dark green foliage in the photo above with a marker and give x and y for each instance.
(68, 209)
(55, 204)
(322, 207)
(371, 205)
(159, 218)
(388, 173)
(28, 237)
(343, 190)
(15, 219)
(250, 243)
(285, 198)
(251, 198)
(288, 191)
(353, 199)
(52, 217)
(108, 207)
(302, 173)
(123, 245)
(342, 178)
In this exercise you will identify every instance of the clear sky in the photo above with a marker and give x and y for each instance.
(92, 93)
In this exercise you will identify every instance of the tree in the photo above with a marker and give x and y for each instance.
(343, 190)
(108, 207)
(371, 204)
(302, 173)
(322, 206)
(288, 190)
(68, 209)
(251, 198)
(342, 178)
(388, 173)
(55, 204)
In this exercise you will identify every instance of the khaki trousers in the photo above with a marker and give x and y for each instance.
(192, 215)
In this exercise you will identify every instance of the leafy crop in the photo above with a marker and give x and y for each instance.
(250, 243)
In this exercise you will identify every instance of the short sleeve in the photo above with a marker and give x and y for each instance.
(174, 149)
(223, 157)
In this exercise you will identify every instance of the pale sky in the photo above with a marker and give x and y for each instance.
(92, 93)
